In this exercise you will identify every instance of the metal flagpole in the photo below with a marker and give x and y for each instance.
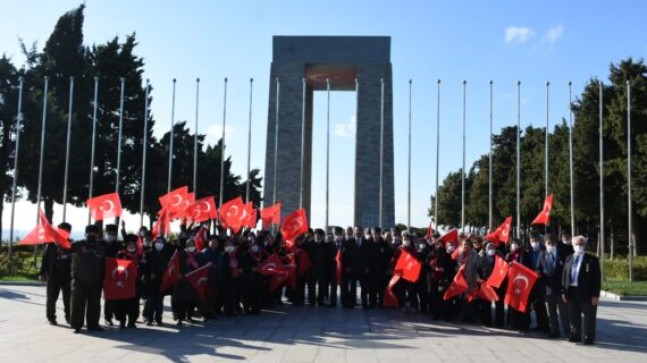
(249, 141)
(144, 153)
(490, 200)
(67, 148)
(276, 141)
(381, 153)
(119, 139)
(327, 151)
(222, 149)
(195, 137)
(463, 169)
(437, 153)
(42, 148)
(303, 141)
(570, 156)
(546, 137)
(409, 167)
(601, 132)
(629, 199)
(518, 159)
(171, 137)
(94, 139)
(15, 163)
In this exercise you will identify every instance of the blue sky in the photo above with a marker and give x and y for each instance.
(503, 41)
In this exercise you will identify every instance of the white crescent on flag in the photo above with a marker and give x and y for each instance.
(110, 208)
(120, 270)
(525, 282)
(177, 199)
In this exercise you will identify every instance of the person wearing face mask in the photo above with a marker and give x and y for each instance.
(422, 285)
(296, 295)
(519, 321)
(55, 270)
(184, 299)
(581, 281)
(318, 277)
(405, 290)
(485, 267)
(536, 297)
(550, 267)
(397, 237)
(88, 259)
(366, 257)
(441, 270)
(112, 246)
(565, 245)
(469, 259)
(351, 266)
(252, 285)
(380, 274)
(335, 246)
(231, 273)
(152, 269)
(128, 309)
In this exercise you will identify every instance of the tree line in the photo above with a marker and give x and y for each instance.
(586, 170)
(63, 56)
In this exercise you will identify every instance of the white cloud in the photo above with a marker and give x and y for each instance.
(518, 34)
(346, 129)
(553, 34)
(214, 133)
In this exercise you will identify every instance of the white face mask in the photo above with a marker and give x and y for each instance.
(451, 248)
(534, 245)
(514, 247)
(566, 241)
(229, 249)
(406, 243)
(550, 248)
(131, 249)
(255, 248)
(491, 252)
(190, 249)
(159, 246)
(579, 249)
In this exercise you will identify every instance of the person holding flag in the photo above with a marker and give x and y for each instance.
(55, 268)
(468, 258)
(486, 265)
(112, 246)
(405, 290)
(519, 320)
(128, 309)
(152, 267)
(252, 286)
(88, 258)
(441, 269)
(185, 297)
(231, 272)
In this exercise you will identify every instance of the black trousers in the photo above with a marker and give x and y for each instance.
(555, 304)
(317, 287)
(365, 289)
(331, 286)
(348, 290)
(126, 309)
(85, 303)
(154, 307)
(54, 287)
(252, 294)
(576, 308)
(232, 292)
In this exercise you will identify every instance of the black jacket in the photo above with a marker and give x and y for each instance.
(56, 262)
(553, 282)
(351, 258)
(589, 278)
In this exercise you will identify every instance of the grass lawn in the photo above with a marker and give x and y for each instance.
(624, 287)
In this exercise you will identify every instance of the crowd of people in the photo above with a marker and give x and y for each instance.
(324, 267)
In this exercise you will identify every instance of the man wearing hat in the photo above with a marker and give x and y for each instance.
(88, 257)
(55, 269)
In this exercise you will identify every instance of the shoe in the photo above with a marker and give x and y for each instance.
(109, 322)
(573, 339)
(77, 330)
(159, 323)
(179, 324)
(588, 342)
(132, 325)
(53, 322)
(95, 328)
(122, 324)
(67, 320)
(149, 322)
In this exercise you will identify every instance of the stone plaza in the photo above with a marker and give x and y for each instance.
(305, 334)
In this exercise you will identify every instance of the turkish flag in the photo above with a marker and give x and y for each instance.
(502, 233)
(271, 266)
(304, 263)
(409, 266)
(544, 216)
(458, 285)
(340, 266)
(390, 300)
(231, 214)
(120, 278)
(200, 239)
(104, 206)
(200, 279)
(202, 210)
(450, 236)
(521, 279)
(250, 216)
(295, 224)
(45, 233)
(162, 225)
(499, 272)
(176, 201)
(271, 215)
(484, 292)
(430, 232)
(172, 273)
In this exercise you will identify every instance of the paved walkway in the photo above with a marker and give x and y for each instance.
(307, 334)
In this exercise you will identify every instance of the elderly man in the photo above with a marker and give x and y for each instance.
(550, 267)
(581, 291)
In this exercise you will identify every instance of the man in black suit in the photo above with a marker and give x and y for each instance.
(550, 266)
(352, 268)
(55, 270)
(581, 290)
